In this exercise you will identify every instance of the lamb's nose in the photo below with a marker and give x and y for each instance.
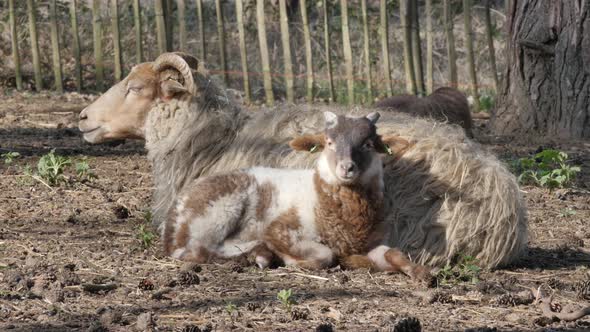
(83, 115)
(348, 168)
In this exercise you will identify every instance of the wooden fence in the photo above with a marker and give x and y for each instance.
(417, 80)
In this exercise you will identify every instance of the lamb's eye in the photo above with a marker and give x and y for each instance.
(368, 145)
(134, 89)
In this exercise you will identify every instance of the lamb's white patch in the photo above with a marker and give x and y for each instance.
(262, 262)
(377, 256)
(178, 253)
(325, 171)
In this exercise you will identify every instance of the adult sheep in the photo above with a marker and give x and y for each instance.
(444, 197)
(444, 104)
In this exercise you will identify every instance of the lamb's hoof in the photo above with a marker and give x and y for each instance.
(423, 275)
(262, 262)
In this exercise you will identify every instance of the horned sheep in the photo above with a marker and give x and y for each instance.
(445, 197)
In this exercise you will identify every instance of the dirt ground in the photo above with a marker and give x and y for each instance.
(71, 258)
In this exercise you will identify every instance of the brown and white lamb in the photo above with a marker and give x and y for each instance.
(311, 218)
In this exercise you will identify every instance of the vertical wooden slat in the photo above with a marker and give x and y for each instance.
(328, 49)
(243, 53)
(160, 26)
(202, 50)
(429, 48)
(221, 36)
(32, 13)
(97, 38)
(116, 39)
(367, 51)
(417, 47)
(287, 59)
(55, 47)
(138, 37)
(404, 8)
(76, 46)
(270, 100)
(470, 53)
(384, 32)
(451, 53)
(491, 45)
(169, 24)
(15, 53)
(347, 52)
(181, 25)
(308, 51)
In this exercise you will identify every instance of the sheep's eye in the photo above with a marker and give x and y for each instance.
(368, 145)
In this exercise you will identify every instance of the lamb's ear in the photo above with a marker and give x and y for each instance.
(170, 88)
(331, 119)
(392, 145)
(311, 143)
(373, 117)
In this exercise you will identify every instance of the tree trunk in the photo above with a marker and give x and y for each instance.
(405, 17)
(76, 46)
(451, 53)
(384, 32)
(367, 51)
(221, 37)
(202, 51)
(32, 13)
(137, 22)
(243, 52)
(181, 25)
(308, 51)
(327, 50)
(470, 53)
(287, 60)
(97, 38)
(547, 81)
(15, 55)
(59, 87)
(116, 40)
(160, 26)
(347, 51)
(429, 48)
(169, 24)
(491, 45)
(270, 99)
(417, 47)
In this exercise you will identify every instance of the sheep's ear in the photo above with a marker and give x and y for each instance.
(373, 117)
(170, 88)
(311, 143)
(392, 145)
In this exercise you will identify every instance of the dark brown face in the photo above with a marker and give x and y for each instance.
(350, 145)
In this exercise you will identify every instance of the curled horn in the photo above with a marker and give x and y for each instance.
(181, 62)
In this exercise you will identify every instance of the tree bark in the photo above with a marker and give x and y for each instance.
(160, 26)
(366, 48)
(429, 48)
(491, 49)
(384, 32)
(202, 51)
(417, 47)
(347, 51)
(169, 24)
(138, 38)
(57, 76)
(308, 51)
(405, 17)
(287, 59)
(243, 49)
(221, 37)
(15, 54)
(97, 39)
(451, 53)
(32, 13)
(470, 53)
(116, 40)
(181, 25)
(76, 46)
(264, 57)
(327, 50)
(547, 81)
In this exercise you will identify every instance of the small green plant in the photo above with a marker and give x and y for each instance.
(230, 308)
(9, 157)
(466, 270)
(285, 296)
(486, 102)
(83, 170)
(147, 216)
(567, 212)
(145, 236)
(51, 168)
(548, 168)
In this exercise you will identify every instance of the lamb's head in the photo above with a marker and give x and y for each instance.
(121, 111)
(350, 146)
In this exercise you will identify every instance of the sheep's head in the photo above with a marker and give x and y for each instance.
(121, 111)
(350, 148)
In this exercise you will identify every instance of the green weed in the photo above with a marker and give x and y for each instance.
(548, 168)
(145, 236)
(486, 102)
(51, 168)
(230, 308)
(83, 170)
(466, 270)
(9, 157)
(567, 212)
(286, 298)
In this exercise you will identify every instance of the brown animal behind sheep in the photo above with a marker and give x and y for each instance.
(444, 104)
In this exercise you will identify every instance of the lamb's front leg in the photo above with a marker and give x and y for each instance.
(305, 254)
(392, 259)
